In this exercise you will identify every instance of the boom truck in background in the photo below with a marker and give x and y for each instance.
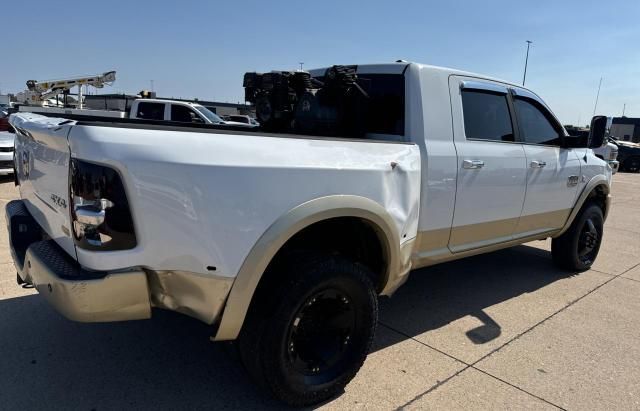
(42, 97)
(282, 237)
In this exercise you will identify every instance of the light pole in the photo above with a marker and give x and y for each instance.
(526, 61)
(151, 84)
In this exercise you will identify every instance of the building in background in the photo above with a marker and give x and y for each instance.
(626, 129)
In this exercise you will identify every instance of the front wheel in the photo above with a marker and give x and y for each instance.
(317, 333)
(578, 247)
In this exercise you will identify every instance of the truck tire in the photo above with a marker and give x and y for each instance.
(578, 247)
(310, 337)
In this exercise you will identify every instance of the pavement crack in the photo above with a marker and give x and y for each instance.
(422, 343)
(630, 279)
(517, 388)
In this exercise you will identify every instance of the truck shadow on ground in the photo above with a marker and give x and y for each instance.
(168, 362)
(436, 296)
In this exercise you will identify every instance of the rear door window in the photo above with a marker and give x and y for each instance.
(150, 111)
(486, 116)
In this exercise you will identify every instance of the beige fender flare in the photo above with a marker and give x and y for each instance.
(287, 226)
(599, 180)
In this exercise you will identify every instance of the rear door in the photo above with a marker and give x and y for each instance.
(553, 172)
(42, 167)
(492, 167)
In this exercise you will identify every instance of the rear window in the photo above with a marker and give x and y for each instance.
(385, 111)
(386, 102)
(486, 116)
(151, 111)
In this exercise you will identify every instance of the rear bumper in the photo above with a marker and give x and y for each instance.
(78, 294)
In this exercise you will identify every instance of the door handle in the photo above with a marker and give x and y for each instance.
(538, 164)
(472, 164)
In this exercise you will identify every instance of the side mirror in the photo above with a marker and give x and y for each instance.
(597, 131)
(575, 141)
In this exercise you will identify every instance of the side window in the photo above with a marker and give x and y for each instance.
(184, 114)
(151, 111)
(486, 116)
(535, 123)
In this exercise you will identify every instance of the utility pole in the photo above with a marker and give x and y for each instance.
(624, 107)
(151, 85)
(301, 64)
(597, 96)
(526, 61)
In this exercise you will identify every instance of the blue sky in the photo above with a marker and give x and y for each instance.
(201, 49)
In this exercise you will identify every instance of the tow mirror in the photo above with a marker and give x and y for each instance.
(597, 131)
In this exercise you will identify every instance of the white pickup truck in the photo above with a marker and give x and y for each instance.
(160, 110)
(284, 241)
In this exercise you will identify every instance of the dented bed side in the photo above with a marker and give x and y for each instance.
(201, 202)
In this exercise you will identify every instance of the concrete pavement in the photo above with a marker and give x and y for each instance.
(506, 330)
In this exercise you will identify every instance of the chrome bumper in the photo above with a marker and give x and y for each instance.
(78, 294)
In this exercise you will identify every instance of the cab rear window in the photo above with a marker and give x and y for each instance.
(386, 102)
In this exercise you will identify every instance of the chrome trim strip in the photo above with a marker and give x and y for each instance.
(485, 86)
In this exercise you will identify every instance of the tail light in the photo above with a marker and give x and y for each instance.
(100, 211)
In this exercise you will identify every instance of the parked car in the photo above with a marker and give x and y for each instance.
(159, 110)
(4, 119)
(628, 155)
(239, 118)
(6, 144)
(284, 241)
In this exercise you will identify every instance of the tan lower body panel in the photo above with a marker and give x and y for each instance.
(436, 246)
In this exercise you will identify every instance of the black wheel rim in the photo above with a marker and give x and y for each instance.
(321, 335)
(588, 242)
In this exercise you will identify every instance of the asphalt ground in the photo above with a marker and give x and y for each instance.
(506, 330)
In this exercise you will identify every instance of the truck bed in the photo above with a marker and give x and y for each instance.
(100, 121)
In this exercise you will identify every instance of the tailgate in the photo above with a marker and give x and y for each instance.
(42, 168)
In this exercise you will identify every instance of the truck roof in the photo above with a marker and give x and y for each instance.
(400, 66)
(163, 100)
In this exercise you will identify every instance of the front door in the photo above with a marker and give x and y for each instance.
(492, 167)
(553, 172)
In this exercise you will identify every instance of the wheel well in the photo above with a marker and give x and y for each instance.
(352, 237)
(599, 196)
